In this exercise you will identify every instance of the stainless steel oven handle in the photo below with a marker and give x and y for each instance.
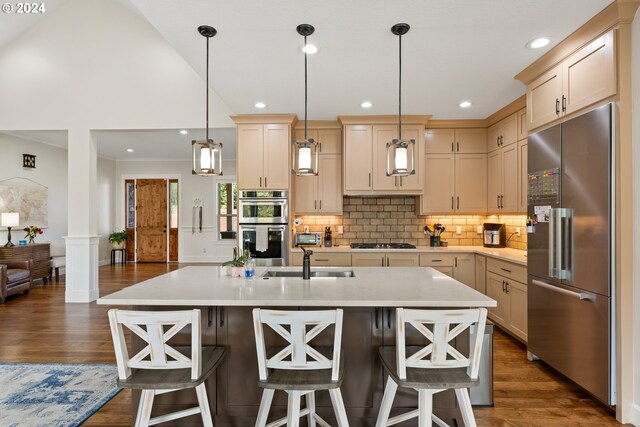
(579, 295)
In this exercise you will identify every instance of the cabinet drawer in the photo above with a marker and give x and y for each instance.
(323, 259)
(437, 260)
(507, 269)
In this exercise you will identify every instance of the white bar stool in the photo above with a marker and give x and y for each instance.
(433, 368)
(160, 368)
(289, 369)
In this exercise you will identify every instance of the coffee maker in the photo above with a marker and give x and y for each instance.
(495, 235)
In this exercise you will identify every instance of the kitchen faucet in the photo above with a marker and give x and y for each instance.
(306, 263)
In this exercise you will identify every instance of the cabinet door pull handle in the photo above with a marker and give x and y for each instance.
(265, 182)
(504, 287)
(498, 201)
(507, 283)
(221, 317)
(260, 182)
(320, 146)
(369, 179)
(504, 269)
(458, 147)
(436, 260)
(452, 150)
(375, 315)
(501, 201)
(387, 262)
(383, 260)
(564, 103)
(210, 316)
(401, 184)
(315, 204)
(321, 260)
(557, 106)
(320, 204)
(456, 261)
(388, 318)
(458, 197)
(451, 202)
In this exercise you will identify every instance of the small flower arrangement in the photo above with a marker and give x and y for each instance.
(235, 267)
(32, 232)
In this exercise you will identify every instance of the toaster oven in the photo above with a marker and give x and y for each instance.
(308, 239)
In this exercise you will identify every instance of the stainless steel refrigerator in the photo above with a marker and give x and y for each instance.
(570, 253)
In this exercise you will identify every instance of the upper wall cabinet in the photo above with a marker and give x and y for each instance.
(264, 152)
(582, 79)
(503, 133)
(329, 140)
(365, 157)
(443, 141)
(523, 130)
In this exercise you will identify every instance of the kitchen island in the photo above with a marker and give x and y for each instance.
(368, 299)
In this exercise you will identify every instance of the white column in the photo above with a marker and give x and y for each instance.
(82, 241)
(635, 100)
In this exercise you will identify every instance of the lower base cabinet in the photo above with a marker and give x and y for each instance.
(511, 312)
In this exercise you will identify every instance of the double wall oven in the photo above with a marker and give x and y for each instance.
(263, 222)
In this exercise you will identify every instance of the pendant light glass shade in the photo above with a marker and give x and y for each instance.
(207, 157)
(401, 153)
(304, 152)
(207, 154)
(305, 157)
(401, 157)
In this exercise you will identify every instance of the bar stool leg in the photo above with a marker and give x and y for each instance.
(462, 394)
(265, 405)
(311, 404)
(387, 402)
(203, 402)
(293, 410)
(425, 408)
(338, 407)
(144, 408)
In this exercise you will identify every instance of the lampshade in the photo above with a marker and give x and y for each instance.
(401, 157)
(207, 157)
(305, 157)
(10, 219)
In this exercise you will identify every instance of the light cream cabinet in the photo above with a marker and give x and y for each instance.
(263, 156)
(502, 182)
(460, 266)
(503, 133)
(365, 160)
(523, 130)
(582, 79)
(329, 140)
(385, 259)
(454, 183)
(320, 194)
(481, 274)
(523, 176)
(323, 259)
(466, 140)
(506, 283)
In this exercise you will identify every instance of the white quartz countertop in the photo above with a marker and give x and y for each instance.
(371, 287)
(515, 256)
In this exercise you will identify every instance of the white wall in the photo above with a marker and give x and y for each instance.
(198, 247)
(635, 73)
(51, 171)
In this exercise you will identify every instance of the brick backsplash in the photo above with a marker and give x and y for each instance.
(394, 219)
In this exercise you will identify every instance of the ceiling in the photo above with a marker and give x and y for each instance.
(165, 144)
(455, 50)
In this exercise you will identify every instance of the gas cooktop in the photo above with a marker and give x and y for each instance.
(382, 246)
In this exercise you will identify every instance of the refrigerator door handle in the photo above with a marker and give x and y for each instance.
(566, 221)
(579, 295)
(552, 244)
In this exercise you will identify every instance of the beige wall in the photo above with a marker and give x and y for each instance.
(394, 219)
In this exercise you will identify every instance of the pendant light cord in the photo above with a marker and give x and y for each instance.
(400, 88)
(305, 88)
(207, 90)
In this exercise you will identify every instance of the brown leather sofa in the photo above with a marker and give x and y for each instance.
(15, 276)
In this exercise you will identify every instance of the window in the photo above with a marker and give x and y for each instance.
(173, 203)
(130, 199)
(227, 210)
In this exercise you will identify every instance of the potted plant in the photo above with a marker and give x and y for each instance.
(118, 239)
(236, 265)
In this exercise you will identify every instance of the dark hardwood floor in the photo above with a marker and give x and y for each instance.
(40, 327)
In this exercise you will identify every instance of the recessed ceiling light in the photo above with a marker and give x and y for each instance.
(129, 150)
(260, 105)
(183, 132)
(465, 104)
(309, 49)
(538, 43)
(366, 104)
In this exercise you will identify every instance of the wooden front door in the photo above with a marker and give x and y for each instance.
(151, 222)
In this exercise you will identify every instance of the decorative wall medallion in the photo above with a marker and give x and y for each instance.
(28, 161)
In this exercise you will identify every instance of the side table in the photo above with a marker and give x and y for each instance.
(122, 256)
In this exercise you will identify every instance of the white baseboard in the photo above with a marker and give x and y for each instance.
(635, 414)
(80, 296)
(104, 262)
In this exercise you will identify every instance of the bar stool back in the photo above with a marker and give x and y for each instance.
(159, 367)
(299, 368)
(436, 367)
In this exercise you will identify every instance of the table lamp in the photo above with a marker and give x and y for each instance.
(9, 219)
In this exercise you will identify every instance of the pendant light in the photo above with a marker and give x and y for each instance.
(400, 152)
(207, 154)
(305, 152)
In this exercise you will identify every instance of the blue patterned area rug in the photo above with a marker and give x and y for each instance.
(53, 394)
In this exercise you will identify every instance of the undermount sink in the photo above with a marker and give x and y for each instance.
(322, 273)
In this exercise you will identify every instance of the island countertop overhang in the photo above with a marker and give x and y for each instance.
(371, 287)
